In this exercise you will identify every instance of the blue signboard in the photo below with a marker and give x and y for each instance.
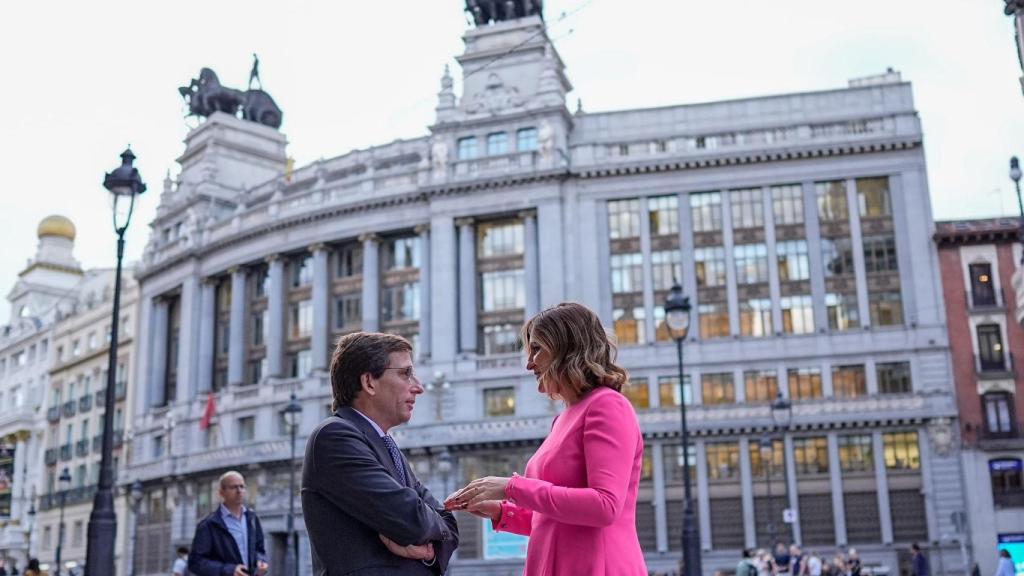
(1005, 465)
(502, 545)
(1014, 544)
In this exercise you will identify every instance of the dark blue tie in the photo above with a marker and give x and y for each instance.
(396, 457)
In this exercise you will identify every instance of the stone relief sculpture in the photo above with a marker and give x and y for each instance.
(206, 95)
(940, 431)
(439, 158)
(546, 143)
(495, 97)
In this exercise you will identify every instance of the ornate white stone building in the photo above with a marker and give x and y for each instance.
(37, 299)
(799, 225)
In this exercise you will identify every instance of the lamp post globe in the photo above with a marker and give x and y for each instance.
(124, 183)
(782, 412)
(677, 321)
(292, 414)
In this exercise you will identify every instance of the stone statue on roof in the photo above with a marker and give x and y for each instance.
(487, 11)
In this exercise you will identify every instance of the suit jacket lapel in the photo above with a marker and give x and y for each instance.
(356, 419)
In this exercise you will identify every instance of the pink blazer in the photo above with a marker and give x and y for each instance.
(577, 501)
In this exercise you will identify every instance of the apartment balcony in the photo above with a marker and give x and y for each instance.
(69, 408)
(72, 496)
(118, 438)
(50, 456)
(85, 404)
(995, 368)
(97, 443)
(1009, 439)
(120, 390)
(82, 448)
(985, 302)
(53, 414)
(65, 452)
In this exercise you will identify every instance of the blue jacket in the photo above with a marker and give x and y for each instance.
(214, 551)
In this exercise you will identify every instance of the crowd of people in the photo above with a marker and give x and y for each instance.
(793, 561)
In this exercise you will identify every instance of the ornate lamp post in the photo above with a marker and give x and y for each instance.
(677, 319)
(1015, 175)
(782, 413)
(439, 385)
(292, 413)
(135, 496)
(767, 452)
(65, 482)
(124, 183)
(31, 526)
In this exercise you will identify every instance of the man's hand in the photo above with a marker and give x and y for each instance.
(262, 567)
(241, 570)
(423, 552)
(489, 509)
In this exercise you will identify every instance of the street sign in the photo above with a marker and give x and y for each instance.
(789, 516)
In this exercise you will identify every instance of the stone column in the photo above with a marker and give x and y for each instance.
(188, 306)
(812, 225)
(18, 481)
(554, 268)
(747, 494)
(423, 230)
(275, 316)
(371, 282)
(158, 368)
(467, 286)
(236, 329)
(208, 309)
(792, 491)
(443, 289)
(774, 283)
(660, 500)
(648, 281)
(321, 306)
(882, 487)
(835, 476)
(703, 498)
(730, 272)
(531, 274)
(857, 245)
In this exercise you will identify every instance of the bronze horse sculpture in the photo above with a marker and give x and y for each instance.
(205, 95)
(486, 11)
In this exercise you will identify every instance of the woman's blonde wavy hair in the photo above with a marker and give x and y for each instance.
(582, 352)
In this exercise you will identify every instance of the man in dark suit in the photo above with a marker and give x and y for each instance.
(229, 541)
(365, 511)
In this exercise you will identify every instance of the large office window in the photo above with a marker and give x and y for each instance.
(842, 311)
(714, 320)
(794, 264)
(638, 393)
(503, 290)
(873, 197)
(627, 273)
(886, 308)
(893, 377)
(300, 319)
(832, 203)
(1007, 478)
(747, 208)
(902, 451)
(301, 268)
(849, 381)
(718, 389)
(797, 314)
(706, 211)
(761, 386)
(804, 383)
(756, 317)
(668, 391)
(663, 213)
(880, 254)
(723, 460)
(348, 260)
(751, 263)
(811, 456)
(627, 278)
(788, 205)
(856, 453)
(624, 219)
(400, 302)
(710, 266)
(501, 249)
(500, 402)
(346, 291)
(837, 256)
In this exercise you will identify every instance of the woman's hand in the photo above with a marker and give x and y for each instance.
(477, 491)
(489, 509)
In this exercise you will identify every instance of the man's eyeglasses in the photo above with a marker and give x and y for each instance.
(406, 372)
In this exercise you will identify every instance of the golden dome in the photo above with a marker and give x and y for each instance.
(56, 225)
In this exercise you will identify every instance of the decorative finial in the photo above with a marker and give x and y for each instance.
(579, 105)
(168, 183)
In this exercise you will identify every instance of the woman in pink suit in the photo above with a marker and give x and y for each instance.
(577, 499)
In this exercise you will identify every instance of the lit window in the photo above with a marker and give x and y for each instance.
(842, 311)
(797, 314)
(856, 453)
(761, 385)
(804, 383)
(793, 261)
(501, 339)
(668, 391)
(902, 451)
(663, 213)
(629, 325)
(723, 460)
(811, 456)
(718, 389)
(637, 392)
(873, 196)
(714, 320)
(710, 266)
(886, 308)
(500, 402)
(849, 381)
(756, 317)
(832, 203)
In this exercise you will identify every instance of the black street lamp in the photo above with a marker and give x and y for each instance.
(782, 414)
(677, 320)
(31, 526)
(65, 483)
(125, 184)
(292, 412)
(135, 496)
(1015, 174)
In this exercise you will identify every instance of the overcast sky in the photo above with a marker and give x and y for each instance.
(81, 80)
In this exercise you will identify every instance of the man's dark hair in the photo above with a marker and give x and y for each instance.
(357, 354)
(915, 547)
(182, 549)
